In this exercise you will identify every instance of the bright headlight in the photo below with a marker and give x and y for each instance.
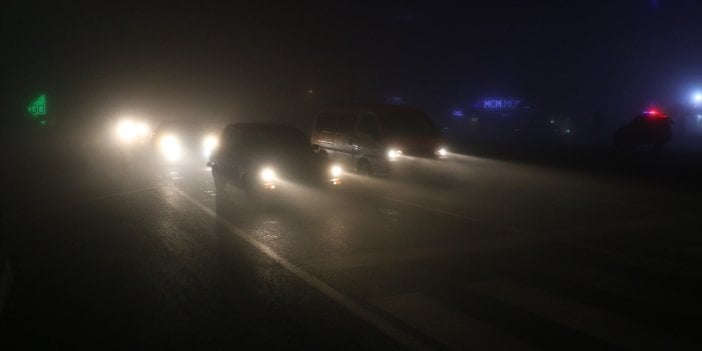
(170, 147)
(267, 174)
(442, 152)
(393, 154)
(128, 131)
(209, 144)
(336, 171)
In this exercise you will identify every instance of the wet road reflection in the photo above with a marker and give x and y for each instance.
(442, 235)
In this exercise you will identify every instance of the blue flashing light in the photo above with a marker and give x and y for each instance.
(697, 98)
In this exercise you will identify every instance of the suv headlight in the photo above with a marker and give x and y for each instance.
(267, 174)
(336, 171)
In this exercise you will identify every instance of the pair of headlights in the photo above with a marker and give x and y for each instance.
(172, 149)
(394, 154)
(269, 175)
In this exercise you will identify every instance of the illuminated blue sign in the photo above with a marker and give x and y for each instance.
(500, 104)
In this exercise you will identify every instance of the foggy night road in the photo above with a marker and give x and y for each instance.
(498, 175)
(466, 253)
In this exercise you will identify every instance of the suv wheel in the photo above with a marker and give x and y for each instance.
(364, 168)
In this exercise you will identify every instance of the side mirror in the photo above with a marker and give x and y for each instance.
(315, 147)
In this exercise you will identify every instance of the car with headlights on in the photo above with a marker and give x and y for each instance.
(265, 159)
(373, 139)
(181, 141)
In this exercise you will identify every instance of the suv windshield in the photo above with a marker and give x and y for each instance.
(275, 138)
(405, 123)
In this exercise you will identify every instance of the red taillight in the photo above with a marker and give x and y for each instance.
(653, 113)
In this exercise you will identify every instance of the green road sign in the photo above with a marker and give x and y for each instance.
(38, 106)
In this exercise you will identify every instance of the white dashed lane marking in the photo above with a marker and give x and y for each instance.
(388, 328)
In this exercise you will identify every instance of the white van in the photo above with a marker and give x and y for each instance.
(371, 139)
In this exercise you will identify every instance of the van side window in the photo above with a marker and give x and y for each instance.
(345, 123)
(325, 122)
(367, 125)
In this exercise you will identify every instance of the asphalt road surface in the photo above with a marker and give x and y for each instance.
(470, 253)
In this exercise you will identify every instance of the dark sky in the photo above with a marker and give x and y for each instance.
(238, 59)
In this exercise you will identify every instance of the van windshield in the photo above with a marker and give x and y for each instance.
(405, 123)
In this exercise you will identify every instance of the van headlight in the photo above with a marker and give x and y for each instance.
(336, 171)
(209, 144)
(170, 147)
(394, 154)
(267, 175)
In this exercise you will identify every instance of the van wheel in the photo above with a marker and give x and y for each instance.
(364, 168)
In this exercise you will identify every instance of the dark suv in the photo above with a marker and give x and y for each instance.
(265, 158)
(651, 128)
